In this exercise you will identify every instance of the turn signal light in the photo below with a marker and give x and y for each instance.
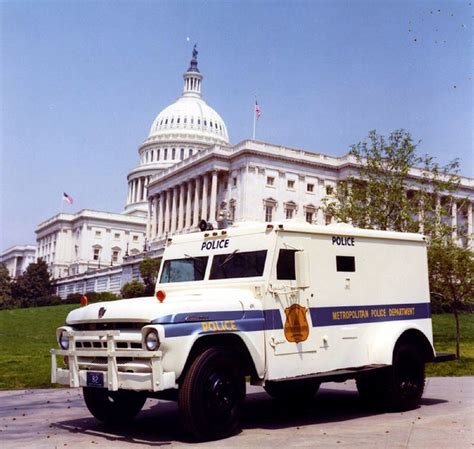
(160, 295)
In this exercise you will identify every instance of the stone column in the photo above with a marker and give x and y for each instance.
(454, 220)
(140, 193)
(154, 204)
(213, 205)
(160, 231)
(174, 209)
(196, 201)
(145, 188)
(132, 191)
(129, 193)
(181, 208)
(148, 220)
(205, 188)
(166, 228)
(187, 225)
(229, 195)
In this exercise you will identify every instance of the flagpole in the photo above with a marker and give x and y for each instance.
(254, 121)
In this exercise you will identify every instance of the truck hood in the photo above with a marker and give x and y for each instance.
(177, 307)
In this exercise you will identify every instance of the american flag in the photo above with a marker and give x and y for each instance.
(68, 198)
(258, 113)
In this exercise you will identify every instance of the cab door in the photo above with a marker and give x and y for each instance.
(290, 339)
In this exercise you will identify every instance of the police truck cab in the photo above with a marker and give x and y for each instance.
(288, 305)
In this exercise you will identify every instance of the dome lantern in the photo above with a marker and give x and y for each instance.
(192, 78)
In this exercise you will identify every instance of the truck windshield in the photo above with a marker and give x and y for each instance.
(184, 270)
(238, 265)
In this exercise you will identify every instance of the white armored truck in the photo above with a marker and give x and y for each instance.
(289, 305)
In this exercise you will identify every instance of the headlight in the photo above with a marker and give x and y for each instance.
(152, 341)
(63, 340)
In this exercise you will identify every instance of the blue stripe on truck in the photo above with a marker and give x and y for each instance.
(256, 320)
(334, 316)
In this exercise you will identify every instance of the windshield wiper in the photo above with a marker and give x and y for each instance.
(229, 257)
(195, 265)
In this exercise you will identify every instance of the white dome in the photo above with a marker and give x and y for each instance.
(190, 117)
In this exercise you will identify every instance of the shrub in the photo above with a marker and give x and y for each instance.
(134, 289)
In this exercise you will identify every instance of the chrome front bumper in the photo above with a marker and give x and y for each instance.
(116, 375)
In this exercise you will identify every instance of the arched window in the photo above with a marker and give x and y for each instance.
(158, 154)
(182, 153)
(173, 153)
(190, 151)
(166, 154)
(152, 155)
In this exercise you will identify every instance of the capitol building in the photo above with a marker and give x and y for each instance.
(188, 171)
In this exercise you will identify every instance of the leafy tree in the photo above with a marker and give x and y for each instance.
(452, 278)
(149, 269)
(34, 283)
(134, 289)
(5, 285)
(384, 192)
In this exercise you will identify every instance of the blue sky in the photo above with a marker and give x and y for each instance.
(81, 82)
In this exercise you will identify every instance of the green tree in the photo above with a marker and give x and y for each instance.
(5, 285)
(134, 289)
(385, 193)
(34, 283)
(149, 271)
(452, 278)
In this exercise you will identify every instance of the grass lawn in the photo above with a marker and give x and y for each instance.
(27, 335)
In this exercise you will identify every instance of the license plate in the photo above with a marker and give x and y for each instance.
(95, 379)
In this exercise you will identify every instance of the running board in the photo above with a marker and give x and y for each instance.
(338, 375)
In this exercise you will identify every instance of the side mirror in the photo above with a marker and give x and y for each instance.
(302, 269)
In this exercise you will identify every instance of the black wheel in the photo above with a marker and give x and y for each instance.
(292, 390)
(399, 387)
(211, 395)
(405, 382)
(113, 407)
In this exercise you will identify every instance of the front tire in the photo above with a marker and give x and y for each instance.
(211, 395)
(113, 407)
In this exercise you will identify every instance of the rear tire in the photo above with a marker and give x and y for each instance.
(113, 407)
(293, 391)
(405, 382)
(399, 387)
(211, 395)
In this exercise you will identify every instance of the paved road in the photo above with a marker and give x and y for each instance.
(57, 418)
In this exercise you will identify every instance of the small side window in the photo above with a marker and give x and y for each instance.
(286, 264)
(345, 263)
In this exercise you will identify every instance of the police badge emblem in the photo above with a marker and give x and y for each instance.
(296, 324)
